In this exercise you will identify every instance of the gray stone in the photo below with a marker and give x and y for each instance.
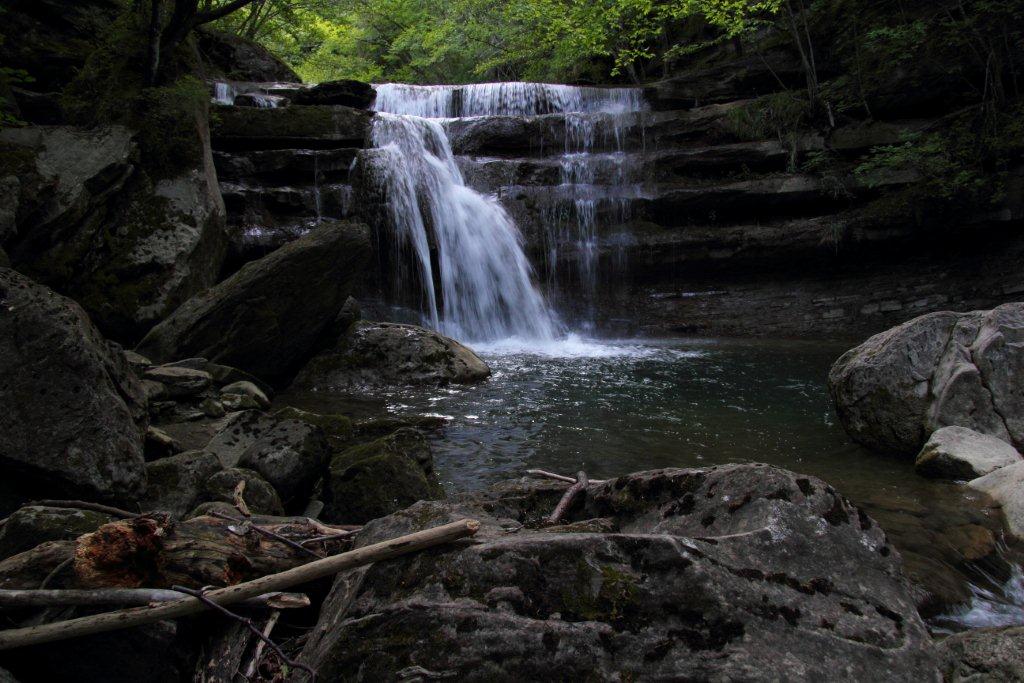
(254, 321)
(739, 572)
(160, 444)
(258, 494)
(961, 453)
(180, 382)
(381, 477)
(74, 414)
(984, 655)
(1006, 486)
(941, 369)
(249, 389)
(291, 455)
(375, 355)
(233, 403)
(176, 483)
(29, 526)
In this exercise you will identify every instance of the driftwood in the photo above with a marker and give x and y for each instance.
(569, 497)
(130, 597)
(153, 551)
(268, 628)
(137, 616)
(544, 474)
(83, 505)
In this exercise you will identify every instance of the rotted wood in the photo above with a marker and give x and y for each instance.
(153, 551)
(137, 616)
(569, 497)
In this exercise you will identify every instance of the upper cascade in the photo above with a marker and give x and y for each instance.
(504, 99)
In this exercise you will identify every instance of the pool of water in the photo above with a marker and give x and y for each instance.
(613, 407)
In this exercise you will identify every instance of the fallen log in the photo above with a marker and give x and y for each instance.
(544, 474)
(153, 551)
(137, 616)
(129, 597)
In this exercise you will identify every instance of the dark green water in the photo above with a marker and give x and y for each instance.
(616, 407)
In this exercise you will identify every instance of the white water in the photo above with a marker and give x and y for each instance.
(485, 279)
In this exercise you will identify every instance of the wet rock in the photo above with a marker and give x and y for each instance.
(248, 128)
(233, 403)
(176, 483)
(992, 655)
(74, 413)
(375, 479)
(376, 427)
(248, 389)
(941, 369)
(335, 427)
(710, 574)
(1006, 486)
(960, 453)
(260, 101)
(180, 382)
(253, 321)
(258, 494)
(346, 92)
(374, 355)
(291, 455)
(32, 525)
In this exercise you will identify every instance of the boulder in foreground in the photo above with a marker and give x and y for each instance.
(960, 453)
(993, 655)
(267, 318)
(938, 370)
(375, 355)
(1006, 486)
(74, 414)
(680, 574)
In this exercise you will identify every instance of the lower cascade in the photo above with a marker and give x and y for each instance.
(485, 278)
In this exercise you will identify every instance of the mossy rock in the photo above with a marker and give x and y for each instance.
(334, 426)
(175, 484)
(32, 525)
(258, 494)
(375, 479)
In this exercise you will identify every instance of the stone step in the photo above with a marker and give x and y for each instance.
(294, 127)
(248, 203)
(286, 166)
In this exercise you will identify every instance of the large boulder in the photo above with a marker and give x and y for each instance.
(177, 483)
(940, 369)
(739, 572)
(99, 219)
(345, 92)
(375, 479)
(961, 453)
(992, 655)
(376, 355)
(268, 317)
(1006, 486)
(74, 414)
(290, 454)
(234, 57)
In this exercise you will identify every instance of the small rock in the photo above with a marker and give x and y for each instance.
(249, 389)
(381, 477)
(155, 391)
(234, 403)
(961, 453)
(992, 655)
(181, 382)
(1006, 486)
(137, 361)
(160, 444)
(175, 483)
(258, 494)
(211, 407)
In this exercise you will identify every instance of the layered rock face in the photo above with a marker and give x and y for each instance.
(681, 574)
(941, 369)
(74, 413)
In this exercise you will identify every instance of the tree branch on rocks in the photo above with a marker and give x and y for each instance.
(112, 621)
(245, 525)
(569, 497)
(84, 505)
(248, 623)
(138, 597)
(544, 474)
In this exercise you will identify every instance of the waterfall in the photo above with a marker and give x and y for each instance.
(484, 276)
(485, 279)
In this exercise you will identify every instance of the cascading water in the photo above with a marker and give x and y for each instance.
(490, 296)
(485, 278)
